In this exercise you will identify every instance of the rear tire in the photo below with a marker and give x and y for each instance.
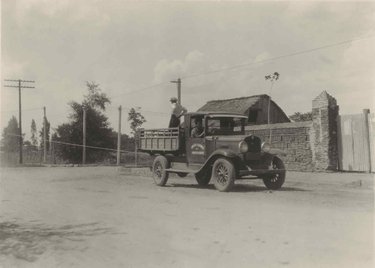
(181, 175)
(159, 173)
(223, 174)
(275, 181)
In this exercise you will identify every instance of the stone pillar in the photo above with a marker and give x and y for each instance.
(324, 132)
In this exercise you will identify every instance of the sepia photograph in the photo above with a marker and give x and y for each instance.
(190, 134)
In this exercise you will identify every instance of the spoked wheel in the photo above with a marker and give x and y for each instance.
(159, 173)
(203, 177)
(223, 174)
(275, 181)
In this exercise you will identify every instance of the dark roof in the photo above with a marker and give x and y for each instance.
(236, 105)
(203, 113)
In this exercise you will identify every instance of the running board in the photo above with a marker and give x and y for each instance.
(172, 170)
(260, 172)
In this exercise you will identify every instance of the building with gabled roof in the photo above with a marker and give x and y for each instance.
(254, 107)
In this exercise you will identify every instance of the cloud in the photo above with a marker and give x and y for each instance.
(194, 62)
(72, 10)
(12, 68)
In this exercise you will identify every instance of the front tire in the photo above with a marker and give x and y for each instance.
(223, 174)
(275, 181)
(159, 173)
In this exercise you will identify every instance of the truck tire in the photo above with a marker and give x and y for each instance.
(159, 173)
(223, 174)
(203, 177)
(275, 181)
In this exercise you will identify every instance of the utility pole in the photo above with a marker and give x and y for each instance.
(272, 77)
(19, 86)
(178, 82)
(119, 135)
(50, 149)
(44, 136)
(84, 137)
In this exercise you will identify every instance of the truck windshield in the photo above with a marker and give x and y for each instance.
(225, 126)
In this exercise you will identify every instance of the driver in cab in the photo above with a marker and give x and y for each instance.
(198, 130)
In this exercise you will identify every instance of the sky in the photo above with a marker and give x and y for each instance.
(219, 49)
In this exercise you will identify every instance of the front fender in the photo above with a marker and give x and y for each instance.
(223, 152)
(216, 154)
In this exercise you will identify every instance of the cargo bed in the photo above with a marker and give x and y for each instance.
(159, 140)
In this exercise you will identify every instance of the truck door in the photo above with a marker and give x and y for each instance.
(195, 141)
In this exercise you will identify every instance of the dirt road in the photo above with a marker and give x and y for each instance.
(94, 217)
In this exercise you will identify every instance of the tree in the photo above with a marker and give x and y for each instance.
(299, 117)
(98, 132)
(10, 139)
(34, 138)
(136, 120)
(41, 135)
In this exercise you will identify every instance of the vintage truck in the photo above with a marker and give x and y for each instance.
(222, 153)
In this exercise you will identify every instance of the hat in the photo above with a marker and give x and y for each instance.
(173, 99)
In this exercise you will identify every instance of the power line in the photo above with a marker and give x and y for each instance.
(23, 110)
(78, 145)
(140, 89)
(245, 65)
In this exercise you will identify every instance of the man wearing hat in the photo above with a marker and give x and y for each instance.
(177, 111)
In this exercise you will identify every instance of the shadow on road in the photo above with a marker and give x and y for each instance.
(238, 188)
(28, 241)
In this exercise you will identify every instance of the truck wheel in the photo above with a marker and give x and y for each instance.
(159, 174)
(203, 177)
(223, 174)
(275, 181)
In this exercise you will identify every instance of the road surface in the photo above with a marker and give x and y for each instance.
(96, 217)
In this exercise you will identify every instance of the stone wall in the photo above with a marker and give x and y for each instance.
(310, 145)
(324, 132)
(291, 138)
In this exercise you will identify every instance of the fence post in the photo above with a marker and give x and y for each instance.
(366, 113)
(84, 137)
(135, 149)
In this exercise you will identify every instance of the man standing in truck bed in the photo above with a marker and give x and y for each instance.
(177, 111)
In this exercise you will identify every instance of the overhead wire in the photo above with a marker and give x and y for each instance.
(78, 145)
(245, 65)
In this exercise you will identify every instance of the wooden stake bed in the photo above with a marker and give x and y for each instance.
(159, 140)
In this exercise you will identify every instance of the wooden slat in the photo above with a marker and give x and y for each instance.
(371, 126)
(352, 143)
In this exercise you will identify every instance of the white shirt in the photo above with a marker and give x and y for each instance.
(178, 109)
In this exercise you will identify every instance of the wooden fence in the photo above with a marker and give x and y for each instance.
(356, 135)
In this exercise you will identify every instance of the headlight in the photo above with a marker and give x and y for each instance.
(243, 146)
(266, 147)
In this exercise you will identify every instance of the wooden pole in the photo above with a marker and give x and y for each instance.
(178, 82)
(20, 121)
(179, 90)
(19, 86)
(44, 136)
(84, 137)
(119, 136)
(269, 114)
